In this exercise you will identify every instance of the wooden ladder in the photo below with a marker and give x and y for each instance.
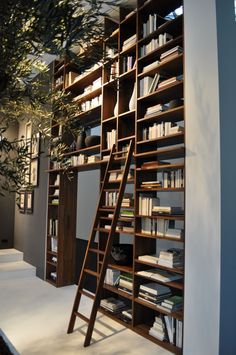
(113, 160)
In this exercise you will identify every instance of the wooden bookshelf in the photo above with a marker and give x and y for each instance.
(121, 74)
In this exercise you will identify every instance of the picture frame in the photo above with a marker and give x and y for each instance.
(22, 204)
(29, 201)
(28, 131)
(35, 146)
(34, 172)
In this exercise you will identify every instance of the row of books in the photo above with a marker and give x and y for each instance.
(155, 43)
(129, 42)
(70, 78)
(113, 305)
(111, 138)
(150, 25)
(54, 244)
(148, 84)
(111, 198)
(96, 84)
(53, 226)
(89, 104)
(162, 129)
(171, 53)
(81, 159)
(128, 62)
(146, 204)
(169, 329)
(173, 178)
(160, 227)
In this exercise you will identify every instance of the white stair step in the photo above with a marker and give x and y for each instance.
(9, 255)
(16, 269)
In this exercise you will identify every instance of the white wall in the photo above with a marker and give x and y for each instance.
(202, 278)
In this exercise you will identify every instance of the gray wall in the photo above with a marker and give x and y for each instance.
(202, 264)
(7, 205)
(226, 31)
(30, 230)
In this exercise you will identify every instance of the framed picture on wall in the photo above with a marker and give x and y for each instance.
(22, 202)
(35, 146)
(29, 201)
(28, 131)
(34, 172)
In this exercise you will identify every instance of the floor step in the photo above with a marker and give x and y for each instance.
(9, 255)
(16, 269)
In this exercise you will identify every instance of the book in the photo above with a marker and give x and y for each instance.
(153, 258)
(160, 275)
(154, 288)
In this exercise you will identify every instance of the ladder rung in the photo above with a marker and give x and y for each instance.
(80, 315)
(91, 272)
(110, 190)
(104, 230)
(87, 294)
(106, 209)
(94, 250)
(120, 152)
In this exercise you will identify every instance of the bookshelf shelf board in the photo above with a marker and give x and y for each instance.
(122, 268)
(145, 235)
(54, 186)
(172, 115)
(86, 79)
(170, 217)
(112, 36)
(115, 318)
(171, 26)
(143, 330)
(172, 284)
(53, 195)
(174, 270)
(129, 17)
(89, 166)
(52, 264)
(106, 230)
(90, 117)
(164, 94)
(93, 150)
(130, 49)
(127, 113)
(173, 66)
(53, 204)
(178, 315)
(89, 95)
(121, 219)
(126, 138)
(161, 167)
(170, 153)
(166, 140)
(118, 292)
(109, 120)
(51, 253)
(112, 83)
(155, 54)
(161, 189)
(128, 74)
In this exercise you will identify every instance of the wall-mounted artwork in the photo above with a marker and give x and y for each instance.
(22, 202)
(34, 172)
(35, 146)
(29, 201)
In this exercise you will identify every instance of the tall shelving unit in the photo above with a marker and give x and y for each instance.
(122, 113)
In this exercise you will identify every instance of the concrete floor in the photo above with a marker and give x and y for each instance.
(34, 316)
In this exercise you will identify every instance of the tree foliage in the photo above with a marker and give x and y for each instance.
(28, 30)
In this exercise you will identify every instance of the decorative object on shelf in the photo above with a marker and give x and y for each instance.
(80, 143)
(175, 103)
(22, 202)
(90, 141)
(35, 146)
(133, 99)
(122, 254)
(34, 172)
(29, 200)
(116, 108)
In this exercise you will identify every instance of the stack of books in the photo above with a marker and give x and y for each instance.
(153, 110)
(171, 53)
(172, 80)
(128, 200)
(127, 315)
(153, 258)
(150, 66)
(55, 201)
(151, 184)
(162, 39)
(53, 227)
(129, 42)
(162, 129)
(160, 275)
(111, 198)
(172, 304)
(113, 305)
(147, 204)
(156, 210)
(153, 292)
(127, 213)
(158, 329)
(126, 283)
(171, 258)
(112, 277)
(93, 159)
